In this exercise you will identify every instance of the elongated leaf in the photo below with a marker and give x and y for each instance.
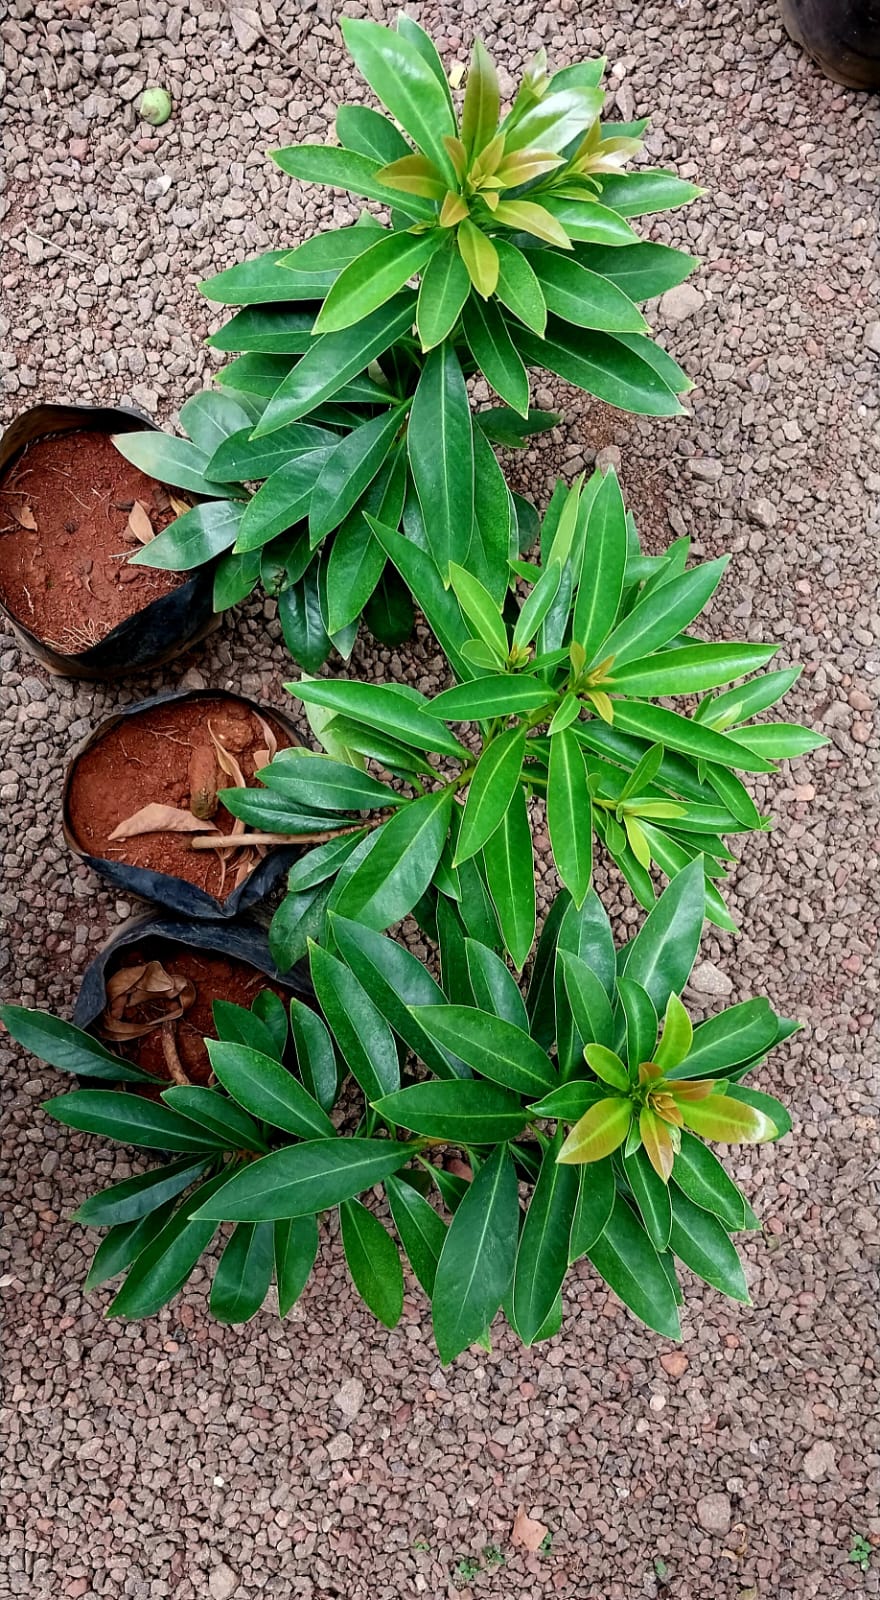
(306, 1178)
(400, 867)
(600, 1131)
(334, 250)
(491, 790)
(518, 288)
(600, 584)
(240, 457)
(775, 741)
(593, 1207)
(590, 222)
(638, 194)
(482, 101)
(344, 169)
(397, 982)
(441, 609)
(314, 1054)
(494, 522)
(361, 1032)
(652, 1198)
(582, 297)
(465, 1111)
(624, 1256)
(194, 538)
(244, 1273)
(662, 953)
(211, 1110)
(173, 461)
(237, 1025)
(210, 418)
(481, 611)
(491, 696)
(590, 1006)
(370, 133)
(540, 999)
(130, 1119)
(163, 1266)
(508, 864)
(260, 281)
(124, 1243)
(701, 1242)
(477, 1260)
(406, 85)
(267, 1090)
(424, 44)
(405, 717)
(699, 1173)
(265, 330)
(642, 270)
(421, 1231)
(282, 501)
(678, 733)
(66, 1047)
(663, 613)
(234, 578)
(601, 365)
(570, 1101)
(732, 1037)
(675, 1041)
(689, 670)
(763, 1105)
(333, 360)
(444, 288)
(441, 453)
(348, 471)
(727, 1120)
(136, 1197)
(317, 782)
(639, 1023)
(493, 350)
(494, 988)
(492, 1046)
(542, 1255)
(569, 814)
(296, 1246)
(374, 276)
(372, 1261)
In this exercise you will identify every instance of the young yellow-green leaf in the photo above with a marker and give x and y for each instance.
(526, 217)
(444, 288)
(660, 1151)
(405, 83)
(414, 174)
(727, 1121)
(600, 1131)
(490, 791)
(562, 114)
(374, 277)
(607, 1065)
(479, 256)
(677, 1035)
(523, 166)
(372, 1261)
(482, 101)
(569, 814)
(480, 610)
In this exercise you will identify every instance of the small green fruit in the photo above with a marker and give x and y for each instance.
(155, 106)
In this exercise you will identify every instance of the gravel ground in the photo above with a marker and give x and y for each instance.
(326, 1456)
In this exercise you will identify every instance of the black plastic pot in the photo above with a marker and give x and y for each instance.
(244, 941)
(166, 627)
(175, 894)
(842, 36)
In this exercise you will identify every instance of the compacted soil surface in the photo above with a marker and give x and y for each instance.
(66, 506)
(166, 756)
(327, 1457)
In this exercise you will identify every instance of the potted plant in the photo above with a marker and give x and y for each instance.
(842, 36)
(576, 1093)
(517, 229)
(141, 801)
(72, 509)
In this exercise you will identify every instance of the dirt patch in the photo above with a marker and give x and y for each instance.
(212, 977)
(165, 756)
(65, 509)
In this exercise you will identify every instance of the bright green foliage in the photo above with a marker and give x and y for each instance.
(610, 1146)
(566, 675)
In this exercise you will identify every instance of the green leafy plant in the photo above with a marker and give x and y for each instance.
(567, 1091)
(860, 1552)
(347, 395)
(564, 708)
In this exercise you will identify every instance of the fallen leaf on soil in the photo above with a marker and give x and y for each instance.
(160, 819)
(271, 741)
(147, 984)
(25, 518)
(202, 779)
(527, 1532)
(139, 525)
(261, 758)
(228, 763)
(180, 507)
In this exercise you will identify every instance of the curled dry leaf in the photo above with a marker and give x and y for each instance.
(202, 778)
(261, 758)
(160, 819)
(139, 526)
(148, 988)
(527, 1532)
(178, 506)
(271, 741)
(25, 518)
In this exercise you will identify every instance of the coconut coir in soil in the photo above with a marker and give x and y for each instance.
(66, 578)
(214, 977)
(146, 759)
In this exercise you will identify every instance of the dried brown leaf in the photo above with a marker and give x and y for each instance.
(139, 526)
(261, 758)
(180, 507)
(25, 518)
(228, 763)
(157, 818)
(146, 985)
(527, 1531)
(271, 741)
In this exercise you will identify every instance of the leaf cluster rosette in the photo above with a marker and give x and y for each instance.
(582, 1110)
(507, 246)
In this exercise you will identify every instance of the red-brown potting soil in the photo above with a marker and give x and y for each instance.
(216, 977)
(144, 759)
(67, 579)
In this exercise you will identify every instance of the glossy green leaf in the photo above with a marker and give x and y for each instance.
(499, 696)
(238, 1025)
(266, 330)
(639, 194)
(639, 1020)
(211, 1110)
(123, 1244)
(569, 814)
(136, 1197)
(333, 360)
(593, 1206)
(662, 953)
(66, 1047)
(482, 101)
(540, 999)
(542, 1254)
(267, 1090)
(372, 1261)
(260, 281)
(130, 1119)
(397, 982)
(577, 295)
(244, 1273)
(370, 133)
(256, 374)
(602, 366)
(334, 250)
(590, 222)
(590, 1006)
(481, 610)
(373, 277)
(765, 1105)
(241, 457)
(406, 85)
(518, 288)
(663, 613)
(624, 1256)
(477, 1260)
(600, 584)
(345, 169)
(348, 471)
(508, 865)
(424, 44)
(643, 271)
(651, 1196)
(493, 350)
(734, 1036)
(775, 741)
(492, 1046)
(364, 1038)
(444, 288)
(491, 790)
(465, 1111)
(173, 461)
(399, 869)
(678, 733)
(210, 418)
(194, 538)
(235, 577)
(316, 782)
(441, 453)
(161, 1269)
(422, 1232)
(493, 525)
(702, 1243)
(282, 501)
(494, 988)
(295, 1245)
(699, 1173)
(305, 1178)
(405, 717)
(689, 670)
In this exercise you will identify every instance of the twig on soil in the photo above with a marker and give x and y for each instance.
(236, 841)
(72, 255)
(169, 1051)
